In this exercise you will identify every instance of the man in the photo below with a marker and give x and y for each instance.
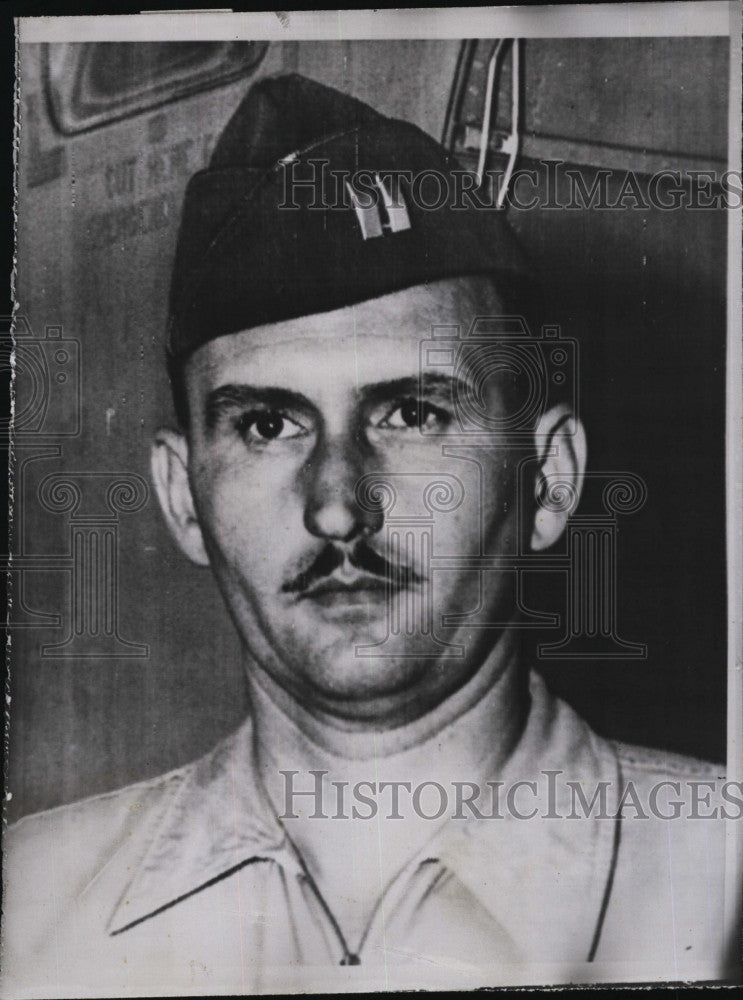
(321, 470)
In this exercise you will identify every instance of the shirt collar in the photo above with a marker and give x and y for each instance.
(217, 820)
(525, 872)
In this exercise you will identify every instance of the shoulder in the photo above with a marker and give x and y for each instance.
(672, 804)
(670, 786)
(648, 763)
(51, 859)
(94, 821)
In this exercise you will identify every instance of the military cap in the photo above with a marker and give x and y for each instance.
(309, 204)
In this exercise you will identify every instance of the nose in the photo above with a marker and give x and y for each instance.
(331, 510)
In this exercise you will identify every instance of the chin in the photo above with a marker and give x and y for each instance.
(336, 672)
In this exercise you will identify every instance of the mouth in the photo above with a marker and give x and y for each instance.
(362, 593)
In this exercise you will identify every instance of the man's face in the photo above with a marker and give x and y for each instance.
(302, 433)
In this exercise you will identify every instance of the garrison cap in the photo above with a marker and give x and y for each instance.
(309, 204)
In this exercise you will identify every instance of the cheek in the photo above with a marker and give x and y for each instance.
(465, 499)
(471, 494)
(249, 509)
(474, 529)
(489, 516)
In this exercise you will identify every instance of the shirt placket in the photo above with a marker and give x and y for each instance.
(393, 912)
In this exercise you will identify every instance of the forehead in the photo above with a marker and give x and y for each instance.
(365, 343)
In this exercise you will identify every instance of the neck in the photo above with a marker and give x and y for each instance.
(495, 697)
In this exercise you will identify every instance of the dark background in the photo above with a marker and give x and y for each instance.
(642, 291)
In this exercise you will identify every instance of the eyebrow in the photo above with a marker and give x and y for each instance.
(413, 386)
(234, 396)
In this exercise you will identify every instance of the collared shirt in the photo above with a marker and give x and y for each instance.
(188, 884)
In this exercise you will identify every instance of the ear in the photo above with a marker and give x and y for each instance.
(561, 447)
(169, 465)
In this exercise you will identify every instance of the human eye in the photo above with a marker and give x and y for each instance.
(261, 426)
(413, 413)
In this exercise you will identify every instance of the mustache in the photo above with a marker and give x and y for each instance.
(362, 557)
